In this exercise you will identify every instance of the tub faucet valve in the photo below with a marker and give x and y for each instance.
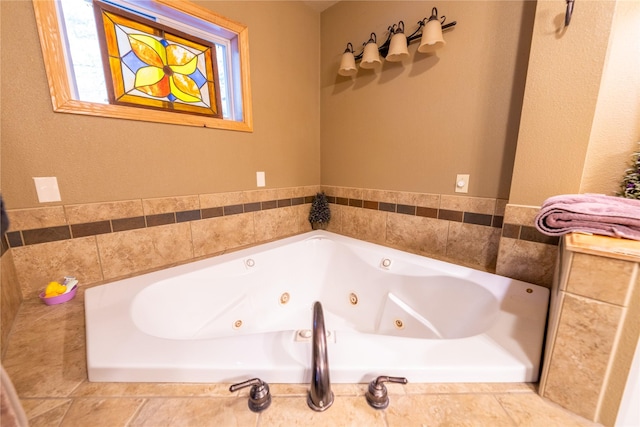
(259, 396)
(376, 395)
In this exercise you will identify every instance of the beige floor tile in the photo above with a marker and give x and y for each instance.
(46, 356)
(289, 389)
(101, 412)
(449, 388)
(195, 412)
(345, 412)
(531, 410)
(303, 389)
(89, 389)
(447, 410)
(45, 412)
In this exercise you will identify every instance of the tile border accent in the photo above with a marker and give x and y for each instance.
(14, 239)
(18, 238)
(444, 214)
(529, 234)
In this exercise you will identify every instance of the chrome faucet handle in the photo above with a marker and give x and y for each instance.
(259, 396)
(376, 394)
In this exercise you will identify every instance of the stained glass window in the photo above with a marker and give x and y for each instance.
(151, 65)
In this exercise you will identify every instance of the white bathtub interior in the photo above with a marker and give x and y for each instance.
(248, 314)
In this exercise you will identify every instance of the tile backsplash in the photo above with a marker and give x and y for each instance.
(525, 253)
(99, 242)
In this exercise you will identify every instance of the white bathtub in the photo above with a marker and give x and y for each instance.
(248, 313)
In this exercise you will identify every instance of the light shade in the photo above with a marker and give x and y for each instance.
(347, 64)
(398, 49)
(370, 55)
(431, 36)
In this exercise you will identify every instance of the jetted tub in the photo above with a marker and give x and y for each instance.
(249, 313)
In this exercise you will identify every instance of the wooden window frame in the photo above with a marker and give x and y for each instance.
(58, 76)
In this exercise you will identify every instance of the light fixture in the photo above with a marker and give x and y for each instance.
(398, 46)
(432, 39)
(348, 62)
(370, 55)
(395, 47)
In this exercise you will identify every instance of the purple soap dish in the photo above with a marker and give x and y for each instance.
(59, 299)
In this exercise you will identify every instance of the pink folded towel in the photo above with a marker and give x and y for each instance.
(590, 213)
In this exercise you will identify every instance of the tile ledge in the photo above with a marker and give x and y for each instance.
(610, 247)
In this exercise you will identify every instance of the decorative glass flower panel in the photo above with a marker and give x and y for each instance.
(150, 65)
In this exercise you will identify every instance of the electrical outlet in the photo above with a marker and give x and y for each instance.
(260, 179)
(462, 183)
(47, 189)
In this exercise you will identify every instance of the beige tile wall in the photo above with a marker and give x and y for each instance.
(458, 242)
(531, 260)
(109, 255)
(593, 332)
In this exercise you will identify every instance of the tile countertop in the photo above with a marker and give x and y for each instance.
(605, 246)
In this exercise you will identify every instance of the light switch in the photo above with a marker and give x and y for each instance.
(260, 179)
(47, 189)
(462, 183)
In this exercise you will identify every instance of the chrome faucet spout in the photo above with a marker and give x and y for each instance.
(320, 396)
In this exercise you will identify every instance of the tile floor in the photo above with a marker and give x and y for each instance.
(45, 359)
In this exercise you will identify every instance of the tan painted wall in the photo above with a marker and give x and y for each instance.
(99, 159)
(563, 83)
(414, 126)
(616, 127)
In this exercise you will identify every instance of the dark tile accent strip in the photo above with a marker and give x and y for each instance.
(532, 234)
(270, 204)
(251, 207)
(406, 209)
(497, 221)
(512, 231)
(44, 235)
(284, 203)
(185, 216)
(342, 201)
(90, 228)
(212, 212)
(476, 218)
(233, 209)
(426, 212)
(160, 219)
(387, 207)
(368, 204)
(309, 199)
(450, 215)
(124, 224)
(15, 239)
(356, 203)
(297, 201)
